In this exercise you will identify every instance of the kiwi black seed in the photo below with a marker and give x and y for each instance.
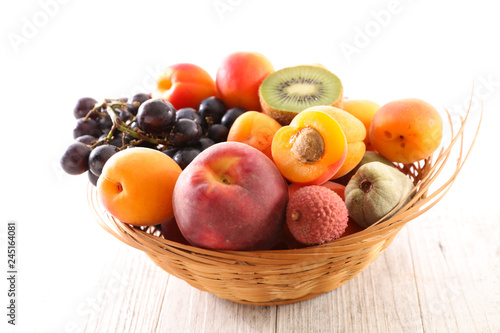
(291, 90)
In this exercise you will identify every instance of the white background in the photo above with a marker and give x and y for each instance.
(54, 52)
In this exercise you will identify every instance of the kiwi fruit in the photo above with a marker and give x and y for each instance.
(291, 90)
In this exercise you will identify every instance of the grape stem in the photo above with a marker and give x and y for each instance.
(122, 127)
(109, 106)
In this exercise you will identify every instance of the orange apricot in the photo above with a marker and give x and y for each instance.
(364, 110)
(311, 149)
(406, 131)
(255, 129)
(355, 133)
(136, 186)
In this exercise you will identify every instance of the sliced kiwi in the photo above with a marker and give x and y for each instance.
(291, 90)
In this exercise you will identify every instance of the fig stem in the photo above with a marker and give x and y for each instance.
(365, 186)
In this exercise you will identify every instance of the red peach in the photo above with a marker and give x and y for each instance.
(231, 197)
(239, 77)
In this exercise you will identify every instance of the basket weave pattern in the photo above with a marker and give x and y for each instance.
(289, 276)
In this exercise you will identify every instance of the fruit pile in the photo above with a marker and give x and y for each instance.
(256, 159)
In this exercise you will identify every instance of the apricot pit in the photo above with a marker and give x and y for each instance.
(308, 146)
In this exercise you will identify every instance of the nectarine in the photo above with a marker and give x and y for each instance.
(231, 197)
(238, 79)
(185, 85)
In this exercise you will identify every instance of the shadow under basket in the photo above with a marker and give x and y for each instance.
(288, 276)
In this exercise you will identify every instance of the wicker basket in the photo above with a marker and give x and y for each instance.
(289, 276)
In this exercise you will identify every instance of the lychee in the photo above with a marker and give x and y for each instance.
(315, 215)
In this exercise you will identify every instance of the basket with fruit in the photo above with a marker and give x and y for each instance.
(262, 187)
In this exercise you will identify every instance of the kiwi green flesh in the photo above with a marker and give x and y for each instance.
(294, 89)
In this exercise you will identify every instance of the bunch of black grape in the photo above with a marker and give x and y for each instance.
(115, 124)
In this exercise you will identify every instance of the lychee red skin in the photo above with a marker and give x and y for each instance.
(316, 215)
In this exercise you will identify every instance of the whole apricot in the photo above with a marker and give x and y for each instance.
(136, 186)
(406, 131)
(364, 110)
(239, 77)
(255, 129)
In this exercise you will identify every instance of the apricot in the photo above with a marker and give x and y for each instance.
(364, 110)
(239, 77)
(185, 85)
(255, 129)
(355, 134)
(136, 186)
(406, 131)
(311, 149)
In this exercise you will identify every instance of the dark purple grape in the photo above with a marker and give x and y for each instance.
(189, 113)
(231, 115)
(204, 143)
(86, 139)
(93, 178)
(86, 127)
(83, 106)
(147, 144)
(124, 115)
(135, 102)
(75, 159)
(133, 126)
(211, 110)
(185, 155)
(186, 132)
(156, 116)
(105, 124)
(170, 152)
(99, 156)
(218, 133)
(117, 140)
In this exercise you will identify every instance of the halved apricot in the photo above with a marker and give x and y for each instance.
(355, 133)
(311, 149)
